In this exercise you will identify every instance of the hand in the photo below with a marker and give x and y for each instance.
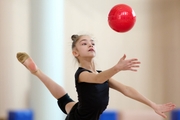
(130, 64)
(162, 108)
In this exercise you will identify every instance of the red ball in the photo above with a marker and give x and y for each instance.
(121, 18)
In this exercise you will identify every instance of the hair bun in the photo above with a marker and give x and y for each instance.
(74, 37)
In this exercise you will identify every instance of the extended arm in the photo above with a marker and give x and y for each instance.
(122, 64)
(132, 93)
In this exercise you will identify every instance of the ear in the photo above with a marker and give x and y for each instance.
(75, 53)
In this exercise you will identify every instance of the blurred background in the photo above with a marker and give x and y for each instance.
(43, 29)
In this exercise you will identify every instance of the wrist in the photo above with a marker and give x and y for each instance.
(153, 105)
(116, 68)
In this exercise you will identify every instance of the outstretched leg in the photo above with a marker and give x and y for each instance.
(56, 90)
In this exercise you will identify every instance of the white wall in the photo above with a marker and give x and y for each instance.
(14, 37)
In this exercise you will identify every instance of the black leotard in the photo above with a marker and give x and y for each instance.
(93, 99)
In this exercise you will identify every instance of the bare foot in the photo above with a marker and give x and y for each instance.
(27, 61)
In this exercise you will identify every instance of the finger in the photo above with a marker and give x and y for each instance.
(169, 108)
(135, 66)
(135, 63)
(124, 57)
(131, 65)
(134, 59)
(163, 115)
(170, 104)
(134, 70)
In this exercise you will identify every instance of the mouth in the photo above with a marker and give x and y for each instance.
(91, 50)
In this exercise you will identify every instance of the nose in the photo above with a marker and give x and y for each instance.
(90, 45)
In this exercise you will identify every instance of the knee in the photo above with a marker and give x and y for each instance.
(63, 101)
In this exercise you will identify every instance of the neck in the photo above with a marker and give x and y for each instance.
(88, 64)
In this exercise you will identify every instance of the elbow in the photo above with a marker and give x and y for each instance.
(126, 91)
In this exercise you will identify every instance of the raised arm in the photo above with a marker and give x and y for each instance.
(132, 93)
(123, 64)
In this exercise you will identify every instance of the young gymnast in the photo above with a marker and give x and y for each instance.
(92, 86)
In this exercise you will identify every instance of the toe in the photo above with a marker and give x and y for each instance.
(22, 57)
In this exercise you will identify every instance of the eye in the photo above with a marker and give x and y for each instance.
(93, 44)
(84, 43)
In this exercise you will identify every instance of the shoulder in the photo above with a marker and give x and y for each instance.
(84, 75)
(79, 71)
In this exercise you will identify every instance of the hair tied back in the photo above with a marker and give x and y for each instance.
(74, 37)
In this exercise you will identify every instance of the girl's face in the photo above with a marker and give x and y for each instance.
(85, 48)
